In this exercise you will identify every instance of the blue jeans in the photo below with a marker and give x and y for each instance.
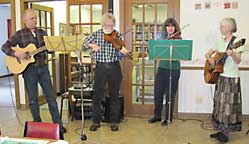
(162, 87)
(40, 74)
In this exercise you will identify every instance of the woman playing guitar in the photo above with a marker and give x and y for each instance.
(227, 97)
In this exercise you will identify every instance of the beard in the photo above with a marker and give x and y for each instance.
(107, 31)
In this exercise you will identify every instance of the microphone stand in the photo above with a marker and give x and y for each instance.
(170, 85)
(83, 134)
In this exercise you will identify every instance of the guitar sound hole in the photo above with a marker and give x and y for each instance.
(18, 60)
(27, 55)
(211, 68)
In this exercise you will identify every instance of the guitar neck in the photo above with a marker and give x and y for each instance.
(40, 49)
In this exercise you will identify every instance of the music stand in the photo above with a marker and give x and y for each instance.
(170, 50)
(69, 43)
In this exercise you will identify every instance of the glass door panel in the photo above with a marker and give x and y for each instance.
(97, 12)
(85, 14)
(146, 26)
(74, 14)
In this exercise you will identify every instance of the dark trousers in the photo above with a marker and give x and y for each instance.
(40, 74)
(110, 73)
(162, 85)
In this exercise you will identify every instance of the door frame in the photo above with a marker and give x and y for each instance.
(138, 110)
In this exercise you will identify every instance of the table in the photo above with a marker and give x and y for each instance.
(26, 140)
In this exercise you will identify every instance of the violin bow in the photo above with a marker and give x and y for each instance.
(187, 25)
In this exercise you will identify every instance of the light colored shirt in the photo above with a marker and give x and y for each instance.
(231, 68)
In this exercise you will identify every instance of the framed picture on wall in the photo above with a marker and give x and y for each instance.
(63, 29)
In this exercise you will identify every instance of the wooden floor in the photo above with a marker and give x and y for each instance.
(132, 130)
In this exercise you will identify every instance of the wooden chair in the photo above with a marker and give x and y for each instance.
(42, 130)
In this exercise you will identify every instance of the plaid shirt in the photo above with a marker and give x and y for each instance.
(107, 52)
(23, 38)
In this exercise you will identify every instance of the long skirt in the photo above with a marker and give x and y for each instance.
(227, 110)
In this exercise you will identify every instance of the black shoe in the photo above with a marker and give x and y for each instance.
(222, 138)
(63, 129)
(215, 135)
(154, 119)
(94, 127)
(114, 127)
(165, 122)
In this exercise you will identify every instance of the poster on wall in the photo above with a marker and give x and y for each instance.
(204, 17)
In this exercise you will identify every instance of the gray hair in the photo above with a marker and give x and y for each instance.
(108, 16)
(231, 23)
(27, 11)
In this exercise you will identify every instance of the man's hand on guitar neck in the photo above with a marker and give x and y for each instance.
(20, 55)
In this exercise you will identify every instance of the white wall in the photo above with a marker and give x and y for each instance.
(197, 97)
(194, 95)
(204, 26)
(5, 14)
(59, 13)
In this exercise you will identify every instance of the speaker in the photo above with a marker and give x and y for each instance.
(107, 108)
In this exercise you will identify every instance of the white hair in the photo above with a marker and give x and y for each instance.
(231, 23)
(108, 16)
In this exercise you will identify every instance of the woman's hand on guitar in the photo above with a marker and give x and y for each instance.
(229, 52)
(20, 55)
(95, 47)
(211, 61)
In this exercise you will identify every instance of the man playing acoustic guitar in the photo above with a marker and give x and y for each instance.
(36, 72)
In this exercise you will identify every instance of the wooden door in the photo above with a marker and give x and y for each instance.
(83, 18)
(146, 18)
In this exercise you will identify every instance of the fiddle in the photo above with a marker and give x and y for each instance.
(177, 35)
(116, 41)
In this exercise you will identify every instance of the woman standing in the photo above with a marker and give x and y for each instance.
(227, 109)
(162, 81)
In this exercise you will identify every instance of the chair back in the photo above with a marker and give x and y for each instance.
(42, 130)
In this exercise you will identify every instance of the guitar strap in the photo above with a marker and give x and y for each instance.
(228, 46)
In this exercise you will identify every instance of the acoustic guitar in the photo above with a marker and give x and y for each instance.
(212, 72)
(16, 65)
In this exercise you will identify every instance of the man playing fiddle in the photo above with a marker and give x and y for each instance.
(107, 69)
